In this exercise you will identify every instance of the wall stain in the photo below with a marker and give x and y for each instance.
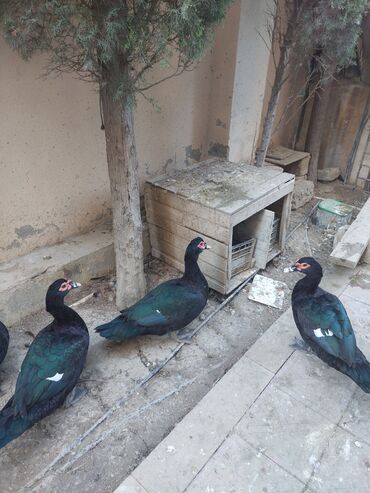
(218, 150)
(27, 230)
(191, 153)
(220, 123)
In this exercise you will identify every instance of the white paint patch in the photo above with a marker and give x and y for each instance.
(56, 377)
(319, 333)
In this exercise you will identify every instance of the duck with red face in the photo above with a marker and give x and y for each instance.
(324, 324)
(170, 306)
(51, 367)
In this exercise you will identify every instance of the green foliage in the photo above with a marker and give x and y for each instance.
(330, 29)
(113, 41)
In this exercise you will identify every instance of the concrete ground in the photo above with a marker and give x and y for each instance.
(96, 443)
(279, 421)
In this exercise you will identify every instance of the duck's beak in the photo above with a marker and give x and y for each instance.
(75, 284)
(208, 247)
(292, 268)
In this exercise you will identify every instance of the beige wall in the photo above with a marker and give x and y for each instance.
(53, 176)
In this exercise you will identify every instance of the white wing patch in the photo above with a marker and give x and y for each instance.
(319, 333)
(56, 377)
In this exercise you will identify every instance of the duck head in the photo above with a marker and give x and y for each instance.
(306, 265)
(196, 247)
(60, 288)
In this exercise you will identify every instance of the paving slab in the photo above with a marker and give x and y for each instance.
(237, 467)
(306, 378)
(189, 446)
(287, 431)
(356, 417)
(275, 346)
(345, 466)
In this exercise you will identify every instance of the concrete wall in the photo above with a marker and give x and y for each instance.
(252, 62)
(53, 176)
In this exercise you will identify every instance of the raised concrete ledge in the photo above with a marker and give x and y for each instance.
(24, 280)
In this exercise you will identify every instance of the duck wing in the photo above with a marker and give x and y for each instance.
(172, 304)
(324, 320)
(52, 365)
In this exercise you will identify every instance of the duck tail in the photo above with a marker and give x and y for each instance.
(360, 373)
(11, 426)
(118, 329)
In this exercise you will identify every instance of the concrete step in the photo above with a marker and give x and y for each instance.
(24, 280)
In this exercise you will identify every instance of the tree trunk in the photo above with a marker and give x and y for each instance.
(271, 109)
(316, 127)
(124, 184)
(291, 13)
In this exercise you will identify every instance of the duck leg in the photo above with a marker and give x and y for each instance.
(75, 395)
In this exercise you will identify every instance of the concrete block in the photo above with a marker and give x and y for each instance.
(24, 281)
(192, 443)
(354, 242)
(339, 234)
(288, 432)
(300, 168)
(236, 465)
(303, 193)
(328, 174)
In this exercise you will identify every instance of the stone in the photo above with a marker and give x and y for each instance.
(339, 234)
(355, 240)
(302, 193)
(328, 174)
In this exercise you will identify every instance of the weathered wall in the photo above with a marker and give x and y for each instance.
(53, 176)
(252, 61)
(347, 102)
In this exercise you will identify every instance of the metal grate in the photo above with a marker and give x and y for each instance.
(242, 256)
(274, 238)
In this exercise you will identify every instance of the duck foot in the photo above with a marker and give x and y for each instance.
(300, 345)
(184, 337)
(74, 396)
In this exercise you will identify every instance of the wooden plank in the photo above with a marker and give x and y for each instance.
(261, 229)
(177, 251)
(219, 186)
(160, 234)
(177, 202)
(157, 211)
(186, 233)
(349, 250)
(283, 156)
(264, 201)
(212, 283)
(284, 220)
